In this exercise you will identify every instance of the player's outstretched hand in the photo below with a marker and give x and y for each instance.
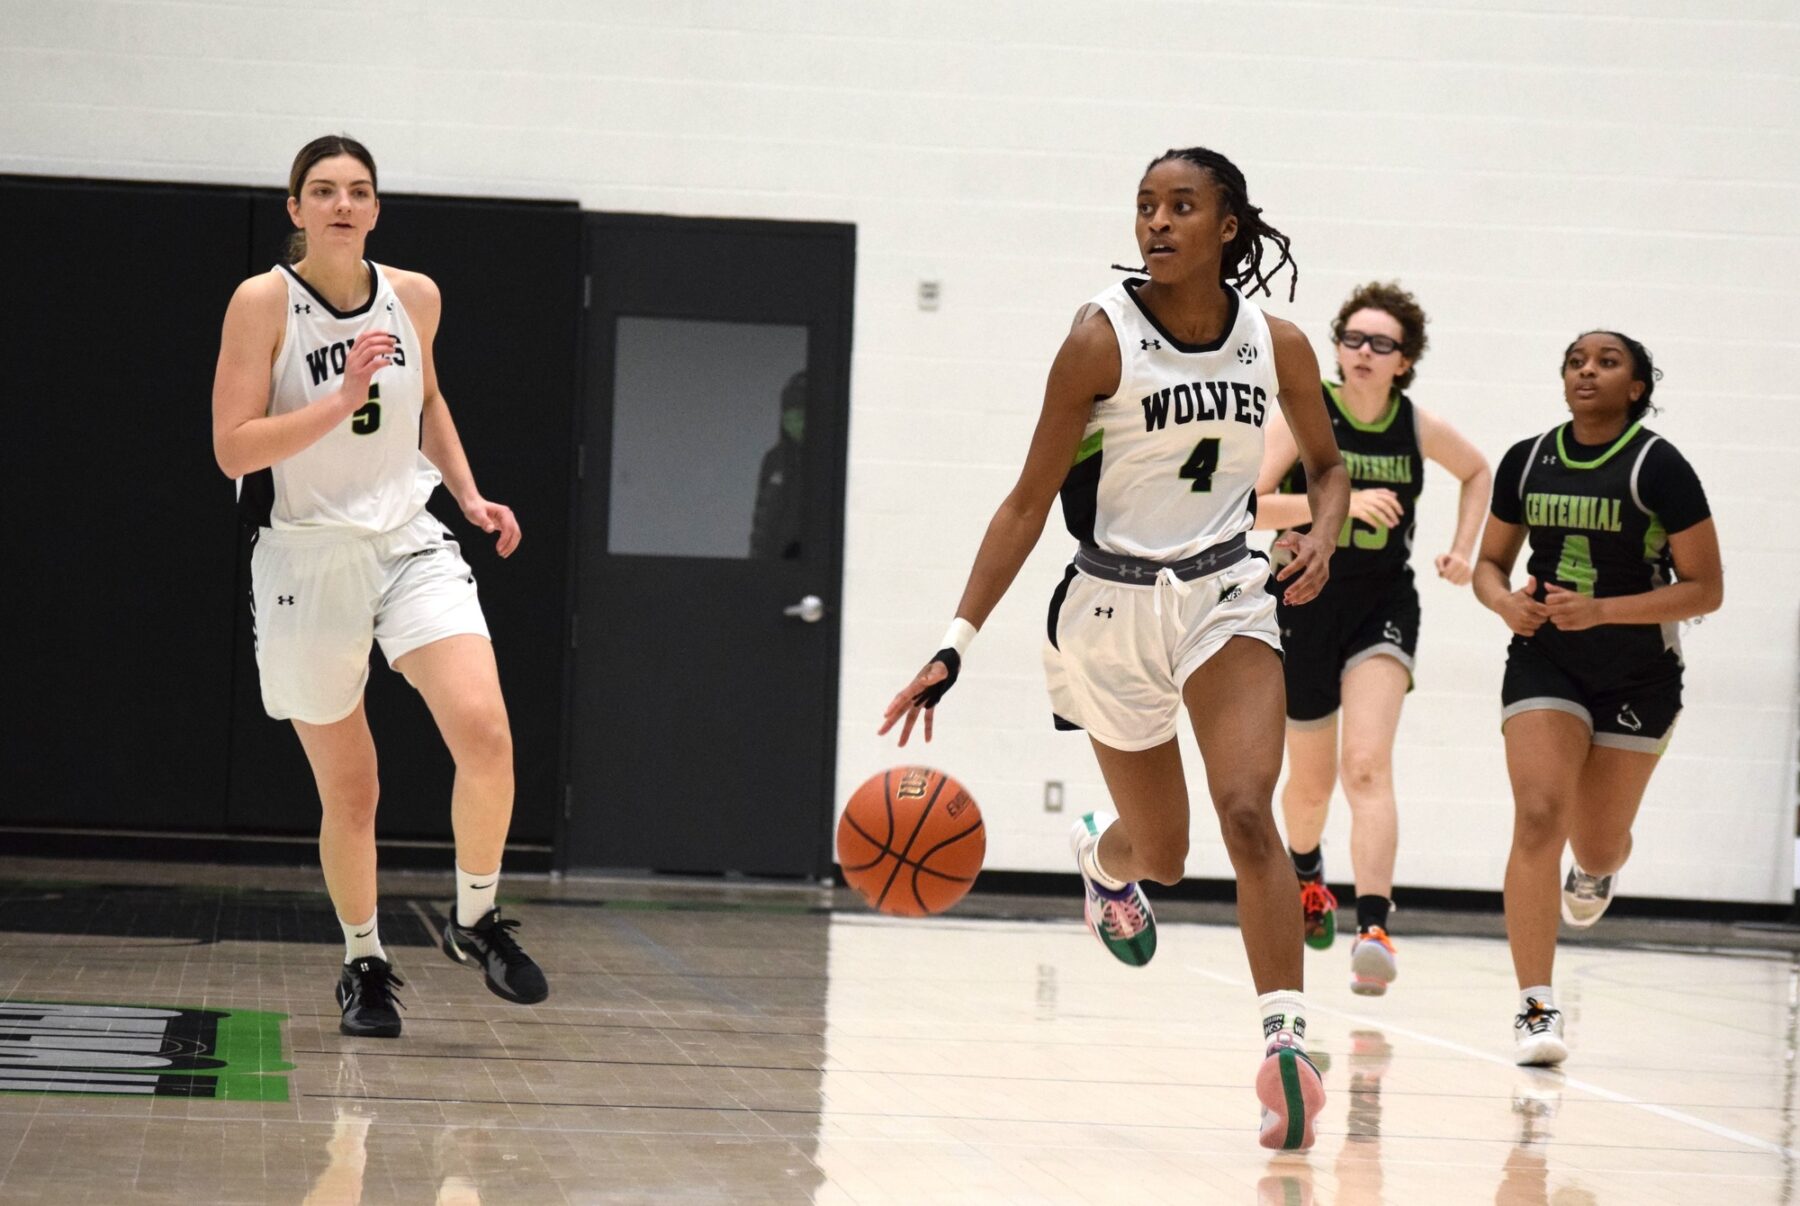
(494, 517)
(1570, 610)
(921, 695)
(1310, 568)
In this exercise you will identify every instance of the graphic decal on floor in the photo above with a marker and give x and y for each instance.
(141, 1051)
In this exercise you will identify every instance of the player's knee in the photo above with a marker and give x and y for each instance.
(484, 743)
(1366, 770)
(1247, 825)
(350, 802)
(1538, 820)
(1165, 862)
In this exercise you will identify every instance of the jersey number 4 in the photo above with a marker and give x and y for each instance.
(367, 421)
(1202, 465)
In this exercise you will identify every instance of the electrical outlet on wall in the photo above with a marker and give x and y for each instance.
(1053, 795)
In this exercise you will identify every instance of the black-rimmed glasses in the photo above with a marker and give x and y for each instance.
(1381, 345)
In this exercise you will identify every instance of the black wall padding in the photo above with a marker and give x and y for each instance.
(121, 546)
(134, 683)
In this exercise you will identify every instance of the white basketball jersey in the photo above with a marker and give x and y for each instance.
(1167, 467)
(368, 472)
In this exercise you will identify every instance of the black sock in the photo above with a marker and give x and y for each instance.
(1310, 865)
(1372, 910)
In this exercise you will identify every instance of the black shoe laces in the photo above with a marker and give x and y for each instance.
(499, 937)
(1536, 1019)
(375, 984)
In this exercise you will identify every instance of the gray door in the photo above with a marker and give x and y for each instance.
(709, 546)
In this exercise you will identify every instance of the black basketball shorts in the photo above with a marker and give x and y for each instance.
(1352, 620)
(1630, 707)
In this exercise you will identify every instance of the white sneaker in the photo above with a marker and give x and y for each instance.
(1538, 1036)
(1373, 965)
(1585, 897)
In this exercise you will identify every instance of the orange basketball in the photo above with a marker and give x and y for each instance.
(911, 841)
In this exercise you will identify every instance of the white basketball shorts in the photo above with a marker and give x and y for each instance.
(320, 596)
(1116, 655)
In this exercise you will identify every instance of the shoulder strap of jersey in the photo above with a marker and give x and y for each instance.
(1530, 460)
(1637, 467)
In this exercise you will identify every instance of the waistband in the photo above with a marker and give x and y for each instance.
(314, 537)
(1139, 571)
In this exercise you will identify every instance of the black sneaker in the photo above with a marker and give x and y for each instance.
(489, 944)
(365, 993)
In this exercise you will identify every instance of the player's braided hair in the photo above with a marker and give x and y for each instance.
(322, 148)
(1241, 263)
(1642, 368)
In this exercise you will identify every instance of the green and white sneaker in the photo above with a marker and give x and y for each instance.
(1121, 920)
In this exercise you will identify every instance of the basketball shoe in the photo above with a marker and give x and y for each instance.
(1372, 963)
(1319, 908)
(1292, 1093)
(489, 944)
(1121, 919)
(365, 992)
(1538, 1036)
(1585, 897)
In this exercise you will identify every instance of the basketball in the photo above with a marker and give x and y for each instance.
(911, 841)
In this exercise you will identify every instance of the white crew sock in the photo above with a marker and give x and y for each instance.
(362, 941)
(1284, 1012)
(475, 895)
(1090, 862)
(1543, 994)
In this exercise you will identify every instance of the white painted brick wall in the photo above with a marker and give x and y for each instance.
(1529, 168)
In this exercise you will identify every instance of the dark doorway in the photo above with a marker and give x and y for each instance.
(709, 545)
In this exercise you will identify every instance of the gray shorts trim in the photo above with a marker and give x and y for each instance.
(1548, 703)
(1637, 745)
(1394, 651)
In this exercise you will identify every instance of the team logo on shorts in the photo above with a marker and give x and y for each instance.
(1391, 631)
(1233, 593)
(1629, 719)
(1103, 612)
(1246, 353)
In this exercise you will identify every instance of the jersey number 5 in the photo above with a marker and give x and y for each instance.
(367, 420)
(1202, 465)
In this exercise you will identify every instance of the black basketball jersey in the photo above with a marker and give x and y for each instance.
(1383, 454)
(1599, 520)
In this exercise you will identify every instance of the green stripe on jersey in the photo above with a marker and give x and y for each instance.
(1379, 425)
(1089, 446)
(1604, 457)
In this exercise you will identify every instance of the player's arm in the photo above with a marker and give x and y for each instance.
(1086, 368)
(1275, 510)
(437, 434)
(1327, 483)
(1500, 545)
(246, 437)
(1447, 446)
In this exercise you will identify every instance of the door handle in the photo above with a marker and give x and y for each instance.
(811, 609)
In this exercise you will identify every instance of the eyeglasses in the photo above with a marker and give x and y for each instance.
(1381, 345)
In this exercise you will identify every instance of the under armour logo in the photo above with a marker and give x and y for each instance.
(284, 599)
(1150, 345)
(1391, 631)
(303, 307)
(1132, 571)
(1246, 353)
(1106, 612)
(1549, 458)
(1629, 719)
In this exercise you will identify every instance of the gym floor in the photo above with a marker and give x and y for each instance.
(743, 1044)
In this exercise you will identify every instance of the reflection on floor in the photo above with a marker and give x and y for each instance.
(738, 1046)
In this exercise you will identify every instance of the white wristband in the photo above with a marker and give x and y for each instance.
(959, 636)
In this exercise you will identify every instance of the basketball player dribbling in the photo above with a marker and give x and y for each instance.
(1623, 547)
(326, 406)
(1152, 433)
(1350, 651)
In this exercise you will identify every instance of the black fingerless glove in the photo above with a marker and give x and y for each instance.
(928, 698)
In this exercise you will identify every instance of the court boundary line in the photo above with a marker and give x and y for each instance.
(1718, 1130)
